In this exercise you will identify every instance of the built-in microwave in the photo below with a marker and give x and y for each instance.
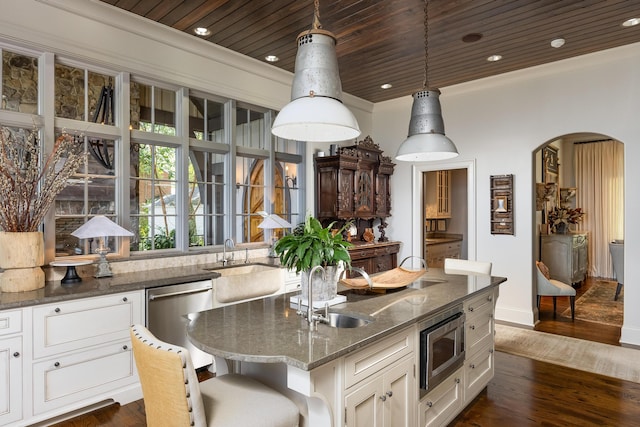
(441, 350)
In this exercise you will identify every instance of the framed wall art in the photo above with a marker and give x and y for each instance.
(502, 204)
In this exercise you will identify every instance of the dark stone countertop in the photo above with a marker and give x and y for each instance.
(91, 287)
(269, 330)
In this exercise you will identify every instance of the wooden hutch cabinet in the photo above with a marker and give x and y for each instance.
(354, 185)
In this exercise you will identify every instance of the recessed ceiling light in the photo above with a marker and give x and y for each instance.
(202, 31)
(271, 58)
(386, 86)
(471, 37)
(559, 42)
(631, 22)
(494, 58)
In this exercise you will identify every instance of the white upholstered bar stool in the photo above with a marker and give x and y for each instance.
(173, 396)
(465, 266)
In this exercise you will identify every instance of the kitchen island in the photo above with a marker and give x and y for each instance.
(365, 375)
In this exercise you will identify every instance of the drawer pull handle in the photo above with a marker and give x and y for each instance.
(489, 298)
(57, 364)
(383, 397)
(390, 393)
(470, 308)
(472, 327)
(457, 380)
(125, 299)
(491, 351)
(16, 354)
(124, 347)
(472, 366)
(57, 310)
(430, 404)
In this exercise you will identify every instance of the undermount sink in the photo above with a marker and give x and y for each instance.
(343, 320)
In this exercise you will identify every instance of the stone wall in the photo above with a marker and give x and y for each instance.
(19, 83)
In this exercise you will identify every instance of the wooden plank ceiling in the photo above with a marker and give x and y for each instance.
(382, 41)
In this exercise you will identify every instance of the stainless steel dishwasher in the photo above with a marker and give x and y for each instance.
(169, 310)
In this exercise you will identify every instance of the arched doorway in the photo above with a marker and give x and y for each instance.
(582, 170)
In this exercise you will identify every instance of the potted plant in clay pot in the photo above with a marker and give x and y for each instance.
(310, 245)
(29, 184)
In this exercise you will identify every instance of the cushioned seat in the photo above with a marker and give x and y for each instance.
(617, 256)
(173, 396)
(554, 288)
(465, 266)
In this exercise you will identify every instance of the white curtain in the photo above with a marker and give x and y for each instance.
(599, 169)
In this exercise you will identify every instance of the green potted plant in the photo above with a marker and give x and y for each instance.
(29, 184)
(310, 244)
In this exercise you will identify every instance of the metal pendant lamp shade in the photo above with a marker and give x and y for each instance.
(316, 112)
(426, 140)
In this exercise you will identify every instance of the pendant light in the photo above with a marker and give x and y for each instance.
(316, 112)
(426, 140)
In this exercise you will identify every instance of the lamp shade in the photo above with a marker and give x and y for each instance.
(273, 221)
(426, 140)
(316, 112)
(100, 226)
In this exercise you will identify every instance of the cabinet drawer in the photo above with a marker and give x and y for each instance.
(372, 359)
(479, 327)
(71, 378)
(444, 402)
(478, 371)
(78, 324)
(10, 322)
(479, 302)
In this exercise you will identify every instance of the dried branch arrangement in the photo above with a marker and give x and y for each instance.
(30, 183)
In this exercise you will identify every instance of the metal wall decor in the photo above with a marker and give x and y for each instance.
(502, 204)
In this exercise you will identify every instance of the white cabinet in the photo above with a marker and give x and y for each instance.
(566, 256)
(62, 357)
(385, 399)
(444, 402)
(436, 253)
(291, 280)
(437, 189)
(82, 350)
(11, 366)
(380, 384)
(479, 330)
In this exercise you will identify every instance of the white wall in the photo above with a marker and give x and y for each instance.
(499, 122)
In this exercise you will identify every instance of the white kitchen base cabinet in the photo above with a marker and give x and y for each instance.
(11, 366)
(67, 356)
(385, 400)
(444, 402)
(478, 371)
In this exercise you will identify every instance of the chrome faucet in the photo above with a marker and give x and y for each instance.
(312, 318)
(224, 250)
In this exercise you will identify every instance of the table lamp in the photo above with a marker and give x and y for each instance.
(101, 227)
(272, 222)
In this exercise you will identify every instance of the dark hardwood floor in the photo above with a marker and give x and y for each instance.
(523, 392)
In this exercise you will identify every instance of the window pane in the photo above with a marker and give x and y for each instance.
(153, 109)
(250, 129)
(153, 197)
(91, 191)
(69, 92)
(250, 191)
(206, 195)
(211, 129)
(287, 194)
(101, 98)
(19, 83)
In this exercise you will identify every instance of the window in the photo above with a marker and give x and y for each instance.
(19, 82)
(153, 197)
(153, 109)
(91, 192)
(206, 198)
(250, 128)
(84, 95)
(206, 119)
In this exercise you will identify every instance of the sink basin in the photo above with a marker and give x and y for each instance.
(343, 320)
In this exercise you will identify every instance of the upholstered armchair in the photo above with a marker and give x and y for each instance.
(554, 288)
(617, 256)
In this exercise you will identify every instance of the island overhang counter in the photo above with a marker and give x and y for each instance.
(266, 339)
